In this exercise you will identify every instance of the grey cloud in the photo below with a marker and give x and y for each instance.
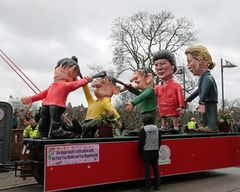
(36, 34)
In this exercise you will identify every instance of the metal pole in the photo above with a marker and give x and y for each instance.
(185, 113)
(222, 85)
(184, 82)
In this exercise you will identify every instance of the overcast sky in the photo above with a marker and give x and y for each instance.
(35, 34)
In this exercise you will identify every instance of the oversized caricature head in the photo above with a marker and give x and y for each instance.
(142, 78)
(105, 87)
(198, 59)
(67, 69)
(165, 64)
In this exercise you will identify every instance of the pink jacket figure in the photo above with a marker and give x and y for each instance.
(55, 96)
(169, 92)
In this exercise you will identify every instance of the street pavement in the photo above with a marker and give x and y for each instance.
(221, 180)
(8, 180)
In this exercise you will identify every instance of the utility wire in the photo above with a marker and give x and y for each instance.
(19, 72)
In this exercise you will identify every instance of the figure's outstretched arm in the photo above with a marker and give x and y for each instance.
(129, 87)
(192, 96)
(71, 86)
(29, 100)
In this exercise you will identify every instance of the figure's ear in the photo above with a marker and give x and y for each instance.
(116, 90)
(149, 78)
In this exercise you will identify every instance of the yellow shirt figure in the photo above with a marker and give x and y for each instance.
(98, 107)
(105, 87)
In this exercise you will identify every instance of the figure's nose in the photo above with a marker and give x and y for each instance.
(158, 66)
(133, 78)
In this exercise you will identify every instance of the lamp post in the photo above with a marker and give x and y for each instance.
(181, 71)
(227, 65)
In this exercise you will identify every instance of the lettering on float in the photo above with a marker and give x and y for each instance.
(72, 154)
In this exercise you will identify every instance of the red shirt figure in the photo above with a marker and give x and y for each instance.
(169, 93)
(170, 98)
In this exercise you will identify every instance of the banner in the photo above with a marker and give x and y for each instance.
(72, 154)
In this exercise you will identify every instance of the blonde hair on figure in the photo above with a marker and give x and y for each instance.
(201, 52)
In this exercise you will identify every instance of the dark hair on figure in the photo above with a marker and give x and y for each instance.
(166, 54)
(69, 62)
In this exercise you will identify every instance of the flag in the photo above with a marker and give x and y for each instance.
(229, 64)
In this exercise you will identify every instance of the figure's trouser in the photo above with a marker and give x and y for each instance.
(50, 119)
(89, 128)
(210, 116)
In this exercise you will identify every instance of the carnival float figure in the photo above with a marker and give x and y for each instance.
(169, 92)
(200, 63)
(143, 88)
(104, 88)
(54, 98)
(102, 117)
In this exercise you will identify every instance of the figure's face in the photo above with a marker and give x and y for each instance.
(193, 65)
(103, 88)
(72, 73)
(67, 73)
(164, 69)
(140, 80)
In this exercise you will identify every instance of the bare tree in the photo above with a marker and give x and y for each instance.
(137, 37)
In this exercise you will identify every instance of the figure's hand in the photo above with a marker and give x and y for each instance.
(201, 108)
(27, 101)
(129, 106)
(89, 79)
(180, 109)
(119, 124)
(127, 85)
